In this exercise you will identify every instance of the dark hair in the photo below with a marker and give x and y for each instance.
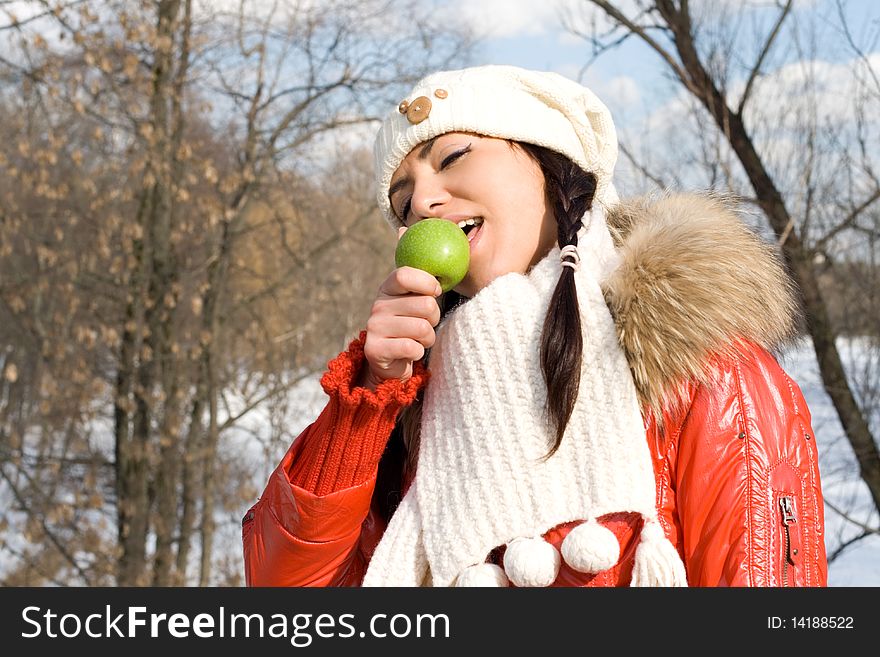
(570, 191)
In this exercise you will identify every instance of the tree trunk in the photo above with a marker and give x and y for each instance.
(192, 463)
(217, 275)
(797, 256)
(207, 531)
(166, 484)
(156, 348)
(168, 475)
(130, 466)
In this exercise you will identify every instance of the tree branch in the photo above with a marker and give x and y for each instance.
(866, 531)
(756, 69)
(849, 221)
(852, 44)
(641, 168)
(15, 23)
(54, 539)
(232, 419)
(639, 30)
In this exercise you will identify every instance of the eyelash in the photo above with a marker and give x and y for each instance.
(452, 157)
(449, 159)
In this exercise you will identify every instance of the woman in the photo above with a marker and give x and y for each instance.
(603, 406)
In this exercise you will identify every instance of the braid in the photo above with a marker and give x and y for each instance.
(570, 191)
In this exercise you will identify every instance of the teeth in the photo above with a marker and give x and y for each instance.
(473, 221)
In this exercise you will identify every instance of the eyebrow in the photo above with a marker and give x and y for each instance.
(423, 154)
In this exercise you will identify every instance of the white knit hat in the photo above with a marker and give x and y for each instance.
(535, 107)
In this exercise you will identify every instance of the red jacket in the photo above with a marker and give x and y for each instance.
(738, 488)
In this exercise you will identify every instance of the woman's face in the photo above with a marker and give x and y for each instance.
(459, 176)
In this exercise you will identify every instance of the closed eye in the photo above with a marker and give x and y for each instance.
(452, 157)
(404, 211)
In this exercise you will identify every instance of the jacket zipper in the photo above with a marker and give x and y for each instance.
(788, 519)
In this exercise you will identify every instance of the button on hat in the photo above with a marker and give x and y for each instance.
(418, 110)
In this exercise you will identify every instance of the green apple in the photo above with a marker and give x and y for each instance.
(437, 246)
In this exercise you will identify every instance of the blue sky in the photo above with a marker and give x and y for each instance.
(530, 34)
(541, 42)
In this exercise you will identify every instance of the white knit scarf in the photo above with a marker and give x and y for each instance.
(482, 480)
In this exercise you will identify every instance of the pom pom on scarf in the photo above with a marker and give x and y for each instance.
(531, 562)
(482, 574)
(591, 548)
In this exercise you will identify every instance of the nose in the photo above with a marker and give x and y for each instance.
(429, 196)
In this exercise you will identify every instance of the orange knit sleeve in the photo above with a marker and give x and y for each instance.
(357, 422)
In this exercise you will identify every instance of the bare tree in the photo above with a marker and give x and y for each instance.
(176, 200)
(819, 200)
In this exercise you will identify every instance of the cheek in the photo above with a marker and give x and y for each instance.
(529, 215)
(524, 233)
(522, 191)
(526, 196)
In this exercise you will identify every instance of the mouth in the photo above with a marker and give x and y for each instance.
(471, 227)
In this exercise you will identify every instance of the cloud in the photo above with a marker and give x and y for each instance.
(512, 18)
(830, 91)
(623, 91)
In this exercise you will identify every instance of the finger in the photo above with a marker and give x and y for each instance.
(400, 232)
(422, 306)
(383, 353)
(413, 328)
(409, 280)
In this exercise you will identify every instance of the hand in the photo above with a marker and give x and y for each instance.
(401, 325)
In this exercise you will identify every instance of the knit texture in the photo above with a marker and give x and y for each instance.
(536, 107)
(482, 480)
(362, 421)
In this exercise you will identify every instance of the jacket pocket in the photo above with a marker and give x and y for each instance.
(789, 559)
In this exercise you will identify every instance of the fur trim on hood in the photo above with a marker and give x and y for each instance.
(693, 282)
